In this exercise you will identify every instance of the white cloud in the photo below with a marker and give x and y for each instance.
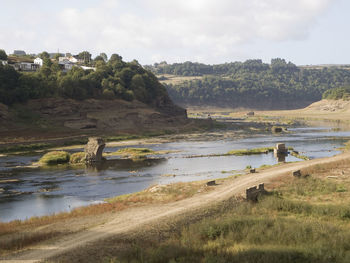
(187, 29)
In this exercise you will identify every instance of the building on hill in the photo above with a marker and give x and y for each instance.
(26, 66)
(19, 53)
(66, 65)
(72, 59)
(38, 61)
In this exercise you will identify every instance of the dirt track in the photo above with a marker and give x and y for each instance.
(129, 220)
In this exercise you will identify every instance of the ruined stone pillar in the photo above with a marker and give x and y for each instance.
(94, 149)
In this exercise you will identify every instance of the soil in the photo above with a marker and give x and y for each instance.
(100, 238)
(56, 118)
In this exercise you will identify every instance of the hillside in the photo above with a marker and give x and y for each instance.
(116, 96)
(250, 84)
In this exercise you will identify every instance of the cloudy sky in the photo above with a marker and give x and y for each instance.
(208, 31)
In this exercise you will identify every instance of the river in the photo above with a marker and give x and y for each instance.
(27, 192)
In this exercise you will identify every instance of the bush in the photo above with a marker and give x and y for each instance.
(78, 157)
(56, 157)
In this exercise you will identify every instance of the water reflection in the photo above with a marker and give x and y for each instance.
(281, 157)
(29, 192)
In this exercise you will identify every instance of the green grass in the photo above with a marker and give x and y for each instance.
(284, 226)
(55, 157)
(241, 152)
(135, 153)
(77, 158)
(25, 147)
(300, 156)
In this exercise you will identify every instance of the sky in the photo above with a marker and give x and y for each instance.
(304, 32)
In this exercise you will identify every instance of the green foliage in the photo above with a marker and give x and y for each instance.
(250, 151)
(337, 93)
(77, 158)
(114, 79)
(25, 147)
(3, 55)
(251, 83)
(55, 157)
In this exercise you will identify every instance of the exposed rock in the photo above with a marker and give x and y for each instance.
(94, 149)
(253, 193)
(211, 183)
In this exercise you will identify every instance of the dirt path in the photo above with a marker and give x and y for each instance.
(128, 220)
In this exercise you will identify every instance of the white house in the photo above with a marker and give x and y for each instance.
(71, 59)
(38, 61)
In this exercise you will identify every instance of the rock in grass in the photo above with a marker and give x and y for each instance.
(55, 157)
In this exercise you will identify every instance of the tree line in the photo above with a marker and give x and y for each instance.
(254, 84)
(112, 78)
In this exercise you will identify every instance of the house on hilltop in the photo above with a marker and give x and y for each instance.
(66, 65)
(39, 62)
(26, 66)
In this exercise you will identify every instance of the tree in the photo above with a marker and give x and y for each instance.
(56, 57)
(3, 55)
(44, 55)
(86, 56)
(104, 56)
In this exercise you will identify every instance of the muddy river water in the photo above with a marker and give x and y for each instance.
(27, 192)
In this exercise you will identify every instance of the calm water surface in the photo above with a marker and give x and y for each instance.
(33, 192)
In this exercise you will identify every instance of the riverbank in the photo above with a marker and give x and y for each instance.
(95, 236)
(333, 112)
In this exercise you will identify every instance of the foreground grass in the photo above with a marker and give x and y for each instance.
(301, 220)
(18, 234)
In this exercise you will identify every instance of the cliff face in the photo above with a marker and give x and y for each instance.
(96, 115)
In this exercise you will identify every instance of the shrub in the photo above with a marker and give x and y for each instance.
(78, 157)
(55, 157)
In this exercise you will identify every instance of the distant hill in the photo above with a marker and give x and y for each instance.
(250, 84)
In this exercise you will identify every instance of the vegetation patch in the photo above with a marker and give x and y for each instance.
(161, 193)
(250, 151)
(135, 153)
(299, 156)
(17, 234)
(77, 158)
(25, 147)
(337, 93)
(55, 157)
(289, 225)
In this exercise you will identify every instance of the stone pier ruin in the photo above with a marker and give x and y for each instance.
(280, 149)
(253, 193)
(94, 149)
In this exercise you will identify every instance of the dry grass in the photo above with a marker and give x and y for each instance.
(19, 234)
(301, 220)
(175, 79)
(134, 153)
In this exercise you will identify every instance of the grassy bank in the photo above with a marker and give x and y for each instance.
(301, 220)
(18, 234)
